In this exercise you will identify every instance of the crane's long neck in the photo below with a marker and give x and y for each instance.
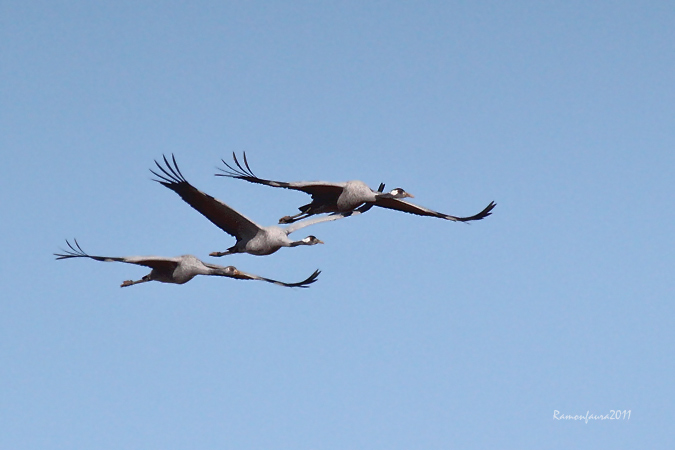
(300, 242)
(309, 240)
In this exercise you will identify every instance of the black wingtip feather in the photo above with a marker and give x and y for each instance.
(247, 166)
(175, 173)
(241, 172)
(481, 215)
(171, 174)
(74, 252)
(311, 279)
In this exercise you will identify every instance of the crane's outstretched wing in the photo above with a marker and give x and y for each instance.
(221, 215)
(154, 262)
(402, 205)
(239, 275)
(317, 189)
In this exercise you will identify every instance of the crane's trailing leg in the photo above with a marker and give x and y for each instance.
(305, 211)
(295, 218)
(131, 283)
(220, 253)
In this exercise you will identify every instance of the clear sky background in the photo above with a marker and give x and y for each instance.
(420, 333)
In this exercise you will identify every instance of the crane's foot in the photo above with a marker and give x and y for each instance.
(286, 219)
(218, 253)
(126, 283)
(291, 219)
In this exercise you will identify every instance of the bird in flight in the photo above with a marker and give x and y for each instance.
(179, 269)
(329, 197)
(251, 237)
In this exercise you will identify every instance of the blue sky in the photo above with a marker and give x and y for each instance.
(420, 333)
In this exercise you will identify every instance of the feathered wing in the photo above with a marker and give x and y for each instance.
(239, 275)
(402, 205)
(154, 262)
(302, 284)
(220, 214)
(317, 189)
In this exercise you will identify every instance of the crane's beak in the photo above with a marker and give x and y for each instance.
(319, 241)
(410, 195)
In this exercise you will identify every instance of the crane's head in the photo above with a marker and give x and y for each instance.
(309, 240)
(396, 193)
(229, 271)
(312, 240)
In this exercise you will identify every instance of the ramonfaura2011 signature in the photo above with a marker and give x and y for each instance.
(614, 414)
